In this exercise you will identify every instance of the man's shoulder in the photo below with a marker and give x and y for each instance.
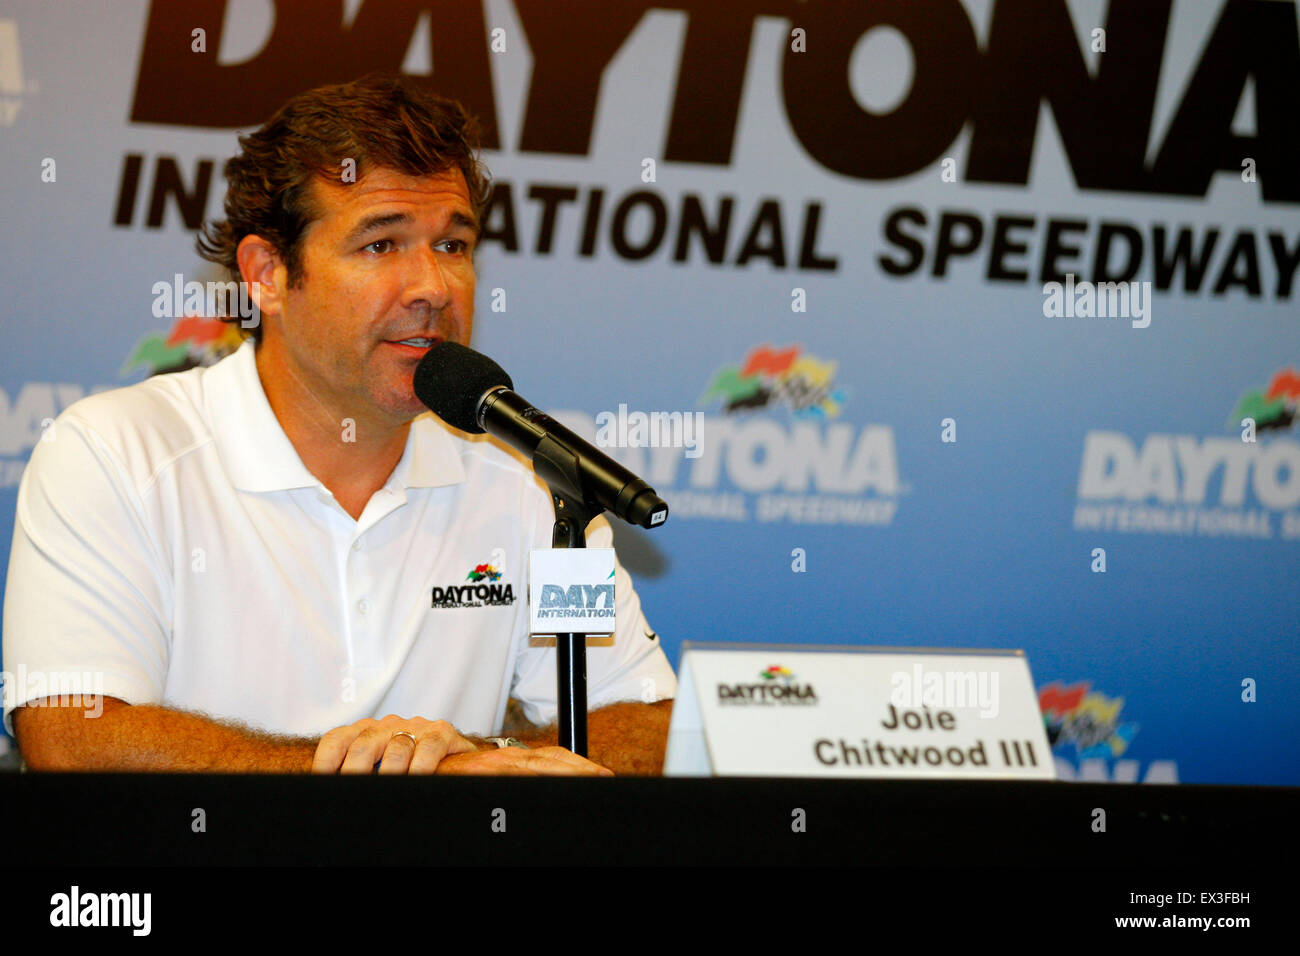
(146, 424)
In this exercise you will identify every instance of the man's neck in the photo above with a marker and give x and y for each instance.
(353, 458)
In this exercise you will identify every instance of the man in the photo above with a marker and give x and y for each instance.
(248, 558)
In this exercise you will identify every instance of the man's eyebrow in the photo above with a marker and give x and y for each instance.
(383, 220)
(374, 222)
(460, 219)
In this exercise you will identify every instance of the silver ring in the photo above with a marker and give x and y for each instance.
(405, 733)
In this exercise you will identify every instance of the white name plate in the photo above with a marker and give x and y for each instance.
(800, 711)
(571, 591)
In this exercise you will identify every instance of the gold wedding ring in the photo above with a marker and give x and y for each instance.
(405, 733)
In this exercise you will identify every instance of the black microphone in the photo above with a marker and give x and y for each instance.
(469, 391)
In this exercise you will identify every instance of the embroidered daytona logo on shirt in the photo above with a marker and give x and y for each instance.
(482, 591)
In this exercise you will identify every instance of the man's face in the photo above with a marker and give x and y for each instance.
(389, 258)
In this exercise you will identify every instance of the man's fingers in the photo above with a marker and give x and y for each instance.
(434, 745)
(399, 753)
(437, 741)
(333, 747)
(459, 745)
(549, 756)
(358, 747)
(545, 761)
(550, 767)
(366, 750)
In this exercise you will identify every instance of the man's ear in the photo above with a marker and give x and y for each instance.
(260, 266)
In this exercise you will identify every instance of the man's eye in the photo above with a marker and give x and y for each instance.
(456, 246)
(387, 243)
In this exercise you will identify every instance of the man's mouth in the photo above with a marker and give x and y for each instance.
(422, 344)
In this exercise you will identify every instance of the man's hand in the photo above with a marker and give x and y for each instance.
(357, 747)
(544, 761)
(628, 737)
(438, 748)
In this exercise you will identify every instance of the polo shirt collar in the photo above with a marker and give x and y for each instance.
(259, 456)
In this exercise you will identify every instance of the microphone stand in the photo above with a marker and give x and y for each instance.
(558, 465)
(570, 531)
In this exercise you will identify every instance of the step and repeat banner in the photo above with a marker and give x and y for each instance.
(938, 324)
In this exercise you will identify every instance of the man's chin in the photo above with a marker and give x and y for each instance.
(400, 410)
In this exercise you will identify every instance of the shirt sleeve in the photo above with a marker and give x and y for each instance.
(86, 599)
(633, 668)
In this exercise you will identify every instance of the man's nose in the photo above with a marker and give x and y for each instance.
(426, 282)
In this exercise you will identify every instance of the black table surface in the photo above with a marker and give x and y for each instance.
(127, 820)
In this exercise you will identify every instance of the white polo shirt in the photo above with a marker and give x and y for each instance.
(170, 543)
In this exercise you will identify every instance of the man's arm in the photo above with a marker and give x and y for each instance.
(629, 738)
(110, 735)
(145, 737)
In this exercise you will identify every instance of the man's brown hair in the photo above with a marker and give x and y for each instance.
(381, 120)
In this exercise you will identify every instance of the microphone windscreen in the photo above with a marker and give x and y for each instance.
(451, 379)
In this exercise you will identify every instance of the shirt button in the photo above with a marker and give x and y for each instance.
(363, 605)
(356, 545)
